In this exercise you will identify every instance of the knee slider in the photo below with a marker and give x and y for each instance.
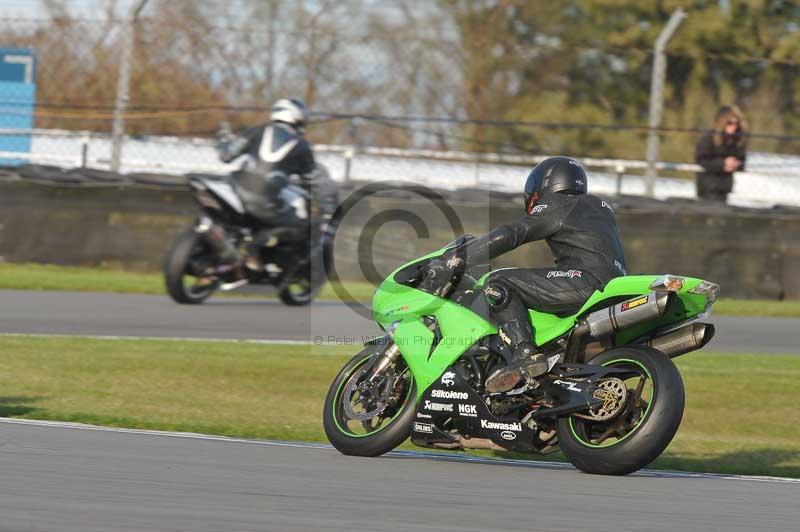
(497, 295)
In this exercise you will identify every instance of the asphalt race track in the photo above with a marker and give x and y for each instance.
(64, 477)
(104, 314)
(80, 479)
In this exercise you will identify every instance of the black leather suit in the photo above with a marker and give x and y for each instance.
(275, 146)
(582, 235)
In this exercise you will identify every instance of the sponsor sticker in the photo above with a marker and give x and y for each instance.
(569, 273)
(420, 415)
(538, 209)
(438, 407)
(468, 410)
(508, 435)
(501, 426)
(568, 385)
(447, 394)
(628, 305)
(423, 427)
(449, 378)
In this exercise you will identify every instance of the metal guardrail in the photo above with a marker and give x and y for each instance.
(775, 179)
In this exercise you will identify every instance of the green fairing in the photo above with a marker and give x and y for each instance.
(460, 328)
(403, 306)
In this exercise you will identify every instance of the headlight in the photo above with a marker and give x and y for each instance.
(710, 290)
(670, 283)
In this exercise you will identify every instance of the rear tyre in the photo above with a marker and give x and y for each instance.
(642, 430)
(300, 292)
(180, 281)
(385, 430)
(304, 290)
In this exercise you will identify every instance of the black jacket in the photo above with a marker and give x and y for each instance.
(581, 231)
(275, 146)
(712, 158)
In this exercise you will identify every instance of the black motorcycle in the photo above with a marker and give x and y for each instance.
(238, 240)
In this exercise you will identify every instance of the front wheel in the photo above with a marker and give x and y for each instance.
(363, 418)
(641, 413)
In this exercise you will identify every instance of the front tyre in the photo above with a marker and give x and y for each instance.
(639, 433)
(369, 419)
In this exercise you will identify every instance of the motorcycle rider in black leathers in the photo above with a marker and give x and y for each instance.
(582, 234)
(276, 152)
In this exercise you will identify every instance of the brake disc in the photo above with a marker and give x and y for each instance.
(370, 397)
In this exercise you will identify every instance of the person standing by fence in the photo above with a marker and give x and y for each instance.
(721, 152)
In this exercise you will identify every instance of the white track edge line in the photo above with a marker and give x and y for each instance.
(402, 453)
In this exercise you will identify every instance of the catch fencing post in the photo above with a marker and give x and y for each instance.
(657, 97)
(123, 83)
(620, 170)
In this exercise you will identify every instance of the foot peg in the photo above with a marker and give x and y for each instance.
(505, 379)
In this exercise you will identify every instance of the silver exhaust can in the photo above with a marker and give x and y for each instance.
(628, 313)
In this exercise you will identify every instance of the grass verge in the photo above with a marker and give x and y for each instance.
(82, 279)
(739, 417)
(85, 279)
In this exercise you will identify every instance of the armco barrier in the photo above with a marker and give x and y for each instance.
(751, 253)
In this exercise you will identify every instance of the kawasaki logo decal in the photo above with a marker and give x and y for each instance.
(500, 426)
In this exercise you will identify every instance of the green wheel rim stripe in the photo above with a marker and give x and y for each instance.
(644, 416)
(336, 402)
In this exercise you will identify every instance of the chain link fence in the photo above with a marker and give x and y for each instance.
(403, 90)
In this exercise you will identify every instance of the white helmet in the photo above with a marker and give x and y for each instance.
(289, 111)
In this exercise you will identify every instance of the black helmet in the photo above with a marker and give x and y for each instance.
(555, 174)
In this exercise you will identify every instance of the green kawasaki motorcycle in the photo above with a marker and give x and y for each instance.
(611, 402)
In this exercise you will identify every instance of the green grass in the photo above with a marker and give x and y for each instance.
(103, 279)
(83, 279)
(740, 415)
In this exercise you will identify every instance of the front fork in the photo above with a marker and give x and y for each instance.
(383, 361)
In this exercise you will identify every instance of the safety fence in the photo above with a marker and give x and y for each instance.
(85, 158)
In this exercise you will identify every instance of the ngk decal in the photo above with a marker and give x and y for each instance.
(468, 410)
(438, 407)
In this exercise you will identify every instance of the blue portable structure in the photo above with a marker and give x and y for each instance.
(17, 100)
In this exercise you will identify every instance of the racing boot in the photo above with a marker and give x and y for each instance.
(265, 238)
(525, 364)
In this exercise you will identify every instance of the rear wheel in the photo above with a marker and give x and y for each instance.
(299, 292)
(641, 413)
(363, 418)
(184, 267)
(306, 288)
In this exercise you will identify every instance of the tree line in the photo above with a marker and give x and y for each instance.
(564, 65)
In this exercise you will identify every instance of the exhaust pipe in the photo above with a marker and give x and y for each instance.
(686, 339)
(622, 315)
(215, 236)
(471, 443)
